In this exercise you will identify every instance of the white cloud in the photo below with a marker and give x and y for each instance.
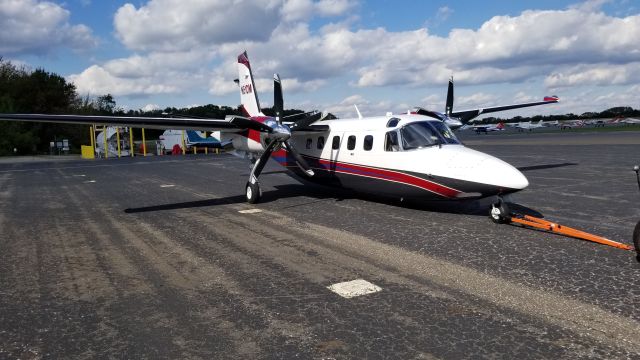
(576, 46)
(180, 24)
(602, 74)
(97, 80)
(150, 107)
(39, 27)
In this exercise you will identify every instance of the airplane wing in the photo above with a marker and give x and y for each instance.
(229, 124)
(467, 115)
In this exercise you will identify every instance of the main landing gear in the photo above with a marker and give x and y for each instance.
(253, 192)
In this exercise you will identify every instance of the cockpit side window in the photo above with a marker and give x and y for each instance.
(391, 141)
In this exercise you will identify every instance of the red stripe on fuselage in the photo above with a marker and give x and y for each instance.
(371, 172)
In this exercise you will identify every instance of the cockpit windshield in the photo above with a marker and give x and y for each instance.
(426, 133)
(445, 132)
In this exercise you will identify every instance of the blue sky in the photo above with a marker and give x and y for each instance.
(382, 55)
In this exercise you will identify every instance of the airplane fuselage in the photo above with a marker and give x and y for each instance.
(426, 161)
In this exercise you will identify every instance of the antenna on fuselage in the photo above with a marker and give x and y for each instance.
(358, 111)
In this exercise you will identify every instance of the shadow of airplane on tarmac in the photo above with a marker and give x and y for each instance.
(312, 193)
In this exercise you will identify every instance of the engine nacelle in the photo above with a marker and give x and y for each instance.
(243, 143)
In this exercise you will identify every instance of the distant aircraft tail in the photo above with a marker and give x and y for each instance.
(195, 139)
(500, 126)
(248, 95)
(193, 136)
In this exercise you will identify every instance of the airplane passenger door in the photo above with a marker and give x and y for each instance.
(336, 144)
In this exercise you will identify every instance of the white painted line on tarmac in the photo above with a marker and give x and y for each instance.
(80, 175)
(167, 185)
(89, 181)
(250, 211)
(354, 288)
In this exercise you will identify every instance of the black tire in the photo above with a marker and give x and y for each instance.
(252, 193)
(636, 239)
(500, 213)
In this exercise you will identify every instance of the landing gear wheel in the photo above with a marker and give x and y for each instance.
(636, 240)
(253, 192)
(500, 213)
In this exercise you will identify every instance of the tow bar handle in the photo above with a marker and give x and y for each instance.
(538, 223)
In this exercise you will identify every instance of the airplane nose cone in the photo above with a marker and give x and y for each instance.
(512, 178)
(485, 169)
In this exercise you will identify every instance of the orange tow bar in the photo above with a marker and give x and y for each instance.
(537, 223)
(500, 213)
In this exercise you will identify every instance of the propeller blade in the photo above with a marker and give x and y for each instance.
(310, 119)
(262, 161)
(245, 122)
(301, 161)
(278, 100)
(433, 114)
(449, 105)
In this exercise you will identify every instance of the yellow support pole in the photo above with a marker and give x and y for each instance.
(93, 139)
(106, 149)
(118, 140)
(144, 144)
(184, 146)
(131, 142)
(206, 149)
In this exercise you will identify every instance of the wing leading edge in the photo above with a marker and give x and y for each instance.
(229, 124)
(467, 115)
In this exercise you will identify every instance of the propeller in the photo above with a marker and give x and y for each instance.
(447, 117)
(278, 133)
(449, 104)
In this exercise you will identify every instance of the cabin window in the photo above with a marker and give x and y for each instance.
(351, 142)
(309, 142)
(393, 122)
(368, 142)
(335, 145)
(391, 141)
(320, 143)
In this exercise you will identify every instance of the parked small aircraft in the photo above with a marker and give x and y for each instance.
(631, 121)
(570, 124)
(413, 155)
(170, 138)
(522, 126)
(488, 128)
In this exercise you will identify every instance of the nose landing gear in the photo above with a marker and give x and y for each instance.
(500, 212)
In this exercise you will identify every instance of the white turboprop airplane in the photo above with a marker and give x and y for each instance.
(411, 156)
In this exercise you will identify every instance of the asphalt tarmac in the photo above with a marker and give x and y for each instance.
(152, 258)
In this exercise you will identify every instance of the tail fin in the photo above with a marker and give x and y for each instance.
(248, 96)
(500, 126)
(449, 105)
(193, 136)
